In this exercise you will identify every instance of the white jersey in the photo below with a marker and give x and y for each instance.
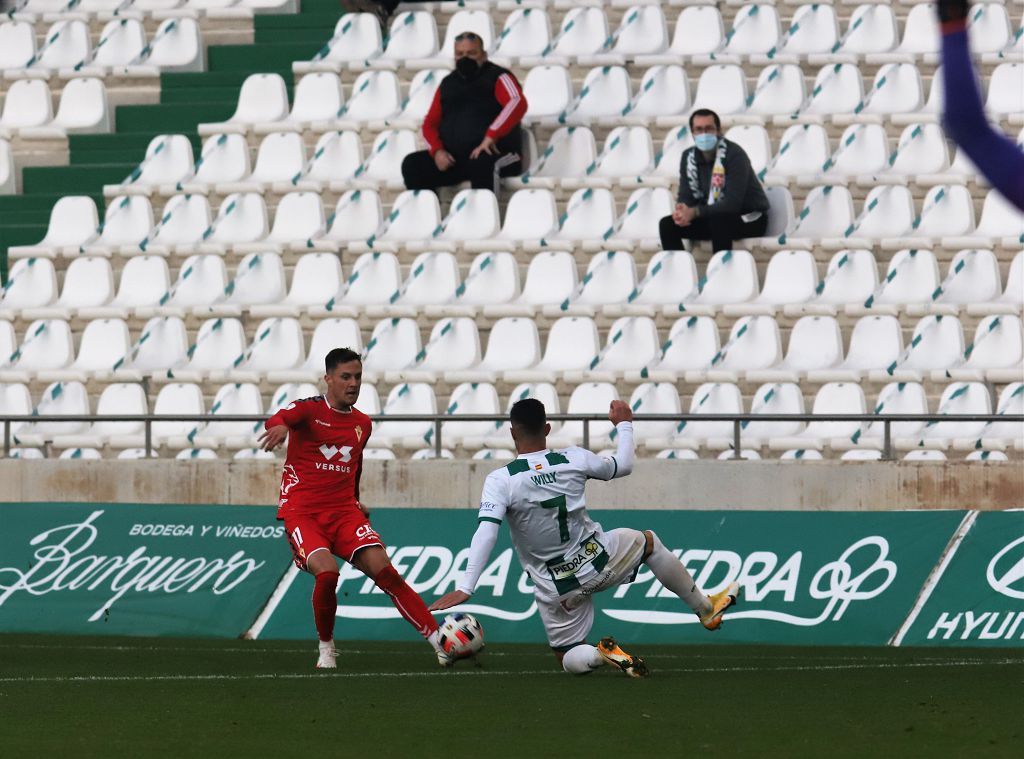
(541, 495)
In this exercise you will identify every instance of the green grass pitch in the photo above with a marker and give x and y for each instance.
(196, 698)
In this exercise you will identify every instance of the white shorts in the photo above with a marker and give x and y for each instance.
(567, 620)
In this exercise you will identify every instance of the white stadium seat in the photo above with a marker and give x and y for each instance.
(587, 398)
(698, 30)
(224, 158)
(710, 398)
(755, 30)
(548, 90)
(162, 344)
(663, 94)
(875, 343)
(412, 35)
(83, 108)
(58, 399)
(813, 29)
(26, 104)
(117, 399)
(316, 279)
(356, 216)
(241, 218)
(511, 330)
(394, 346)
(168, 160)
(328, 334)
(88, 284)
(936, 345)
(722, 88)
(176, 45)
(832, 398)
(631, 345)
(101, 346)
(773, 398)
(181, 226)
(32, 283)
(280, 157)
(218, 343)
(1005, 98)
(526, 33)
(871, 29)
(470, 398)
(375, 96)
(406, 398)
(996, 353)
(492, 279)
(17, 44)
(779, 90)
(356, 37)
(433, 279)
(318, 97)
(236, 398)
(127, 221)
(375, 277)
(691, 346)
(46, 344)
(550, 279)
(262, 98)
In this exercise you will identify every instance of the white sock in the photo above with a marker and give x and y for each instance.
(582, 660)
(433, 641)
(326, 644)
(673, 575)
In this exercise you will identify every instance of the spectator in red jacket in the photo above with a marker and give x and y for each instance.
(472, 127)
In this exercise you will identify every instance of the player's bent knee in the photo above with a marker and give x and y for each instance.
(651, 540)
(321, 560)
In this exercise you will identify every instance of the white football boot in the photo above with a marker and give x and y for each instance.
(328, 655)
(445, 660)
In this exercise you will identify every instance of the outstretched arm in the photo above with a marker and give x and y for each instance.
(992, 152)
(493, 504)
(277, 426)
(621, 464)
(480, 548)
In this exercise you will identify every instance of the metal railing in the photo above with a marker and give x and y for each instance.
(738, 422)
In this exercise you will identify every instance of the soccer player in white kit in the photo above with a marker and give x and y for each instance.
(567, 555)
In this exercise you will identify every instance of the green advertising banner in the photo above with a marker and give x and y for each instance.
(977, 599)
(825, 578)
(137, 569)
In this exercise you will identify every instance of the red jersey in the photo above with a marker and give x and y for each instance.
(325, 456)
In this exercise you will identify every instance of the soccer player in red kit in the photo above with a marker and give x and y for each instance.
(320, 505)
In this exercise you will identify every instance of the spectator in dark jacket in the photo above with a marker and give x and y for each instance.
(719, 197)
(472, 127)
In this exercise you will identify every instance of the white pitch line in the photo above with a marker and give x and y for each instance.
(495, 673)
(717, 656)
(932, 581)
(272, 603)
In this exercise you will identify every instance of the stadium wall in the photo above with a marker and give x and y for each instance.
(701, 485)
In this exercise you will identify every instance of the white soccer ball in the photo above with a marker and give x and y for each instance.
(461, 635)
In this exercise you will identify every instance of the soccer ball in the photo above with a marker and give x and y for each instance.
(460, 635)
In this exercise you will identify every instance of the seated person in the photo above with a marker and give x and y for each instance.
(472, 126)
(719, 197)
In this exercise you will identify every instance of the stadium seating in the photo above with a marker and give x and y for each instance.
(220, 270)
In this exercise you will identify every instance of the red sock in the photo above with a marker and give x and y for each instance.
(405, 599)
(325, 604)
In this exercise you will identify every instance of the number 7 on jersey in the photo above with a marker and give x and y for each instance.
(558, 502)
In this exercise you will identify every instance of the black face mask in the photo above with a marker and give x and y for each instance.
(467, 68)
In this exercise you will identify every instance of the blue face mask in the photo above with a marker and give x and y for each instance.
(706, 141)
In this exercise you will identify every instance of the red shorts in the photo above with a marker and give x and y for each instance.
(342, 532)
